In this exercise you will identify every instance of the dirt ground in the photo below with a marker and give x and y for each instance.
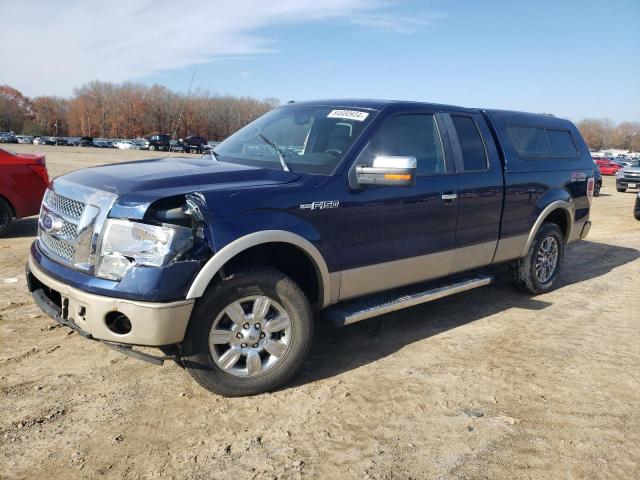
(490, 383)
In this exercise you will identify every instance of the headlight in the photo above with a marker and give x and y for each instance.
(619, 173)
(126, 243)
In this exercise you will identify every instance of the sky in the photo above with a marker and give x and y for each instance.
(575, 59)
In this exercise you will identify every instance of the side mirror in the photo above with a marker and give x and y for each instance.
(399, 171)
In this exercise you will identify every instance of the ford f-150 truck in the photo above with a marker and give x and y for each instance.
(355, 208)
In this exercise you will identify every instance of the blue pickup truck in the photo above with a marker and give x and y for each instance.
(350, 208)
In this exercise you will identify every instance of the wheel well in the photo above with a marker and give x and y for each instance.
(561, 218)
(287, 258)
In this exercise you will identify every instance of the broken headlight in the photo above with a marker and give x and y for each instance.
(125, 244)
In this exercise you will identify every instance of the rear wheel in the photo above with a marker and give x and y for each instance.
(6, 215)
(249, 334)
(538, 269)
(596, 189)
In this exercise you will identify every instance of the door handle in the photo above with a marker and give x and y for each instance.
(449, 197)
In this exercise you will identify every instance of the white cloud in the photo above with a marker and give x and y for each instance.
(53, 46)
(397, 23)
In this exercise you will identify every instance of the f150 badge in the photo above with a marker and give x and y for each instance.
(320, 205)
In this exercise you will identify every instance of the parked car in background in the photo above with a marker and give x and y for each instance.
(85, 142)
(63, 142)
(609, 168)
(194, 144)
(177, 146)
(43, 141)
(597, 177)
(124, 144)
(24, 139)
(623, 163)
(23, 181)
(8, 138)
(158, 141)
(628, 177)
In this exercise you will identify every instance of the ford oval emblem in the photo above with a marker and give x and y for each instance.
(50, 223)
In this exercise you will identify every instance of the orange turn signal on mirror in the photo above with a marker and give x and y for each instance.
(397, 176)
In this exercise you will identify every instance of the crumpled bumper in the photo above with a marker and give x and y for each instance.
(151, 323)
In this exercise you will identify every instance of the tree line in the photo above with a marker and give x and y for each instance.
(600, 134)
(128, 110)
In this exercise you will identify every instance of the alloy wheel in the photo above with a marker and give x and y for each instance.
(250, 336)
(546, 259)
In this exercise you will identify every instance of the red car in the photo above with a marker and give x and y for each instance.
(608, 168)
(23, 181)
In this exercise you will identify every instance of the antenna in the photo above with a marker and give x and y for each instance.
(175, 132)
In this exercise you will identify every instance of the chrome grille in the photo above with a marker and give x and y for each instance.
(79, 213)
(59, 248)
(65, 206)
(61, 243)
(69, 230)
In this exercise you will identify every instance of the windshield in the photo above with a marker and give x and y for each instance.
(311, 139)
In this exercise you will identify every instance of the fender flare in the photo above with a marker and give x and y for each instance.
(567, 207)
(220, 258)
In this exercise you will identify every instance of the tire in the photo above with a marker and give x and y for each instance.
(6, 216)
(622, 190)
(219, 367)
(526, 271)
(596, 190)
(152, 148)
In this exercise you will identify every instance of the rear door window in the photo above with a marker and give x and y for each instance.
(530, 141)
(561, 144)
(474, 156)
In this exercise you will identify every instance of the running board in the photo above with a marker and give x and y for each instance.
(378, 304)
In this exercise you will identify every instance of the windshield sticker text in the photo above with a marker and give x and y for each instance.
(349, 115)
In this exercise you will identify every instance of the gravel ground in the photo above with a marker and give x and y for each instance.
(490, 384)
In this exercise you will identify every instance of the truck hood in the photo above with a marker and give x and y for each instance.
(631, 169)
(142, 182)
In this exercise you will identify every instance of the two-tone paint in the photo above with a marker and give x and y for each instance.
(377, 237)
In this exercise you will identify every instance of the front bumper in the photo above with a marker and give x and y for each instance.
(152, 324)
(624, 182)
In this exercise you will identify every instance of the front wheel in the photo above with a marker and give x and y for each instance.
(152, 148)
(539, 268)
(6, 215)
(621, 190)
(248, 334)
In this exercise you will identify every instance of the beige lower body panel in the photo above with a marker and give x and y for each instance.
(152, 324)
(510, 248)
(384, 276)
(398, 273)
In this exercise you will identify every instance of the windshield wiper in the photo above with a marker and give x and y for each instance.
(212, 153)
(279, 152)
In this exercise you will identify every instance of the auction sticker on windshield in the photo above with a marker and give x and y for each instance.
(349, 115)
